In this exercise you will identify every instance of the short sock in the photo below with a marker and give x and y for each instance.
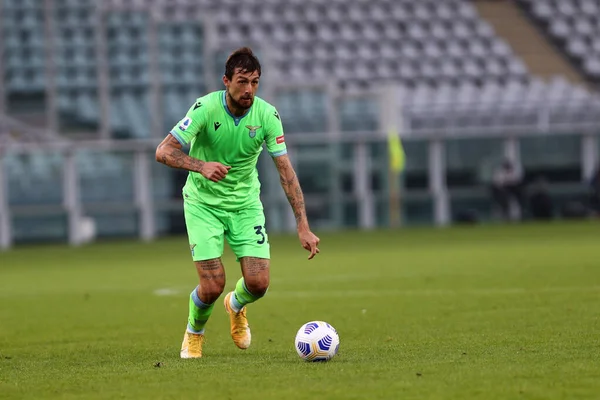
(199, 313)
(241, 296)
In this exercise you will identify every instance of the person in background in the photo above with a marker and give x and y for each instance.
(595, 193)
(507, 186)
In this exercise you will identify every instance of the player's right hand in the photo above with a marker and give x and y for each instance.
(214, 171)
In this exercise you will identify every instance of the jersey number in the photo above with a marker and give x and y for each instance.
(259, 231)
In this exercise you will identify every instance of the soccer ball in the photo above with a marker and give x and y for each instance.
(317, 341)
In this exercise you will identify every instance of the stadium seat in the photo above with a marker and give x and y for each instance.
(442, 45)
(573, 26)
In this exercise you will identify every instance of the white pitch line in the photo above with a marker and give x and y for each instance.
(167, 292)
(427, 293)
(321, 293)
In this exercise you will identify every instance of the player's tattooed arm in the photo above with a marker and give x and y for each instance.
(169, 152)
(291, 187)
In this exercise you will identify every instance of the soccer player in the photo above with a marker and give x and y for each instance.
(225, 131)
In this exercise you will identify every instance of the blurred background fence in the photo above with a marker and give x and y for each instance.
(89, 88)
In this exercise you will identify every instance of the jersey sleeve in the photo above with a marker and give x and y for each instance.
(191, 125)
(274, 134)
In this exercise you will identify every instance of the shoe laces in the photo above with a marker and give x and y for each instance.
(241, 321)
(195, 343)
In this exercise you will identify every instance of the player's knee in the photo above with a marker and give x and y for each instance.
(258, 286)
(211, 291)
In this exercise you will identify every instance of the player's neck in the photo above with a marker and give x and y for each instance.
(235, 111)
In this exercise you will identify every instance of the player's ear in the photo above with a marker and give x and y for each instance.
(225, 81)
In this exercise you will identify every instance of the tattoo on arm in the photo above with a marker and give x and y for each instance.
(178, 159)
(169, 153)
(291, 187)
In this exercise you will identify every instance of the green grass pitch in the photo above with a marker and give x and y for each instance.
(495, 312)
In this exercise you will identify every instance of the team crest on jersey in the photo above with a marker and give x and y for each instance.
(185, 123)
(252, 130)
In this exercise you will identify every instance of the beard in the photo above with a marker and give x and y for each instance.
(238, 104)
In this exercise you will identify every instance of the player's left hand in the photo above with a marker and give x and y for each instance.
(310, 242)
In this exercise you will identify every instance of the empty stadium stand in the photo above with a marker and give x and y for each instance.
(453, 71)
(574, 25)
(438, 51)
(529, 43)
(23, 42)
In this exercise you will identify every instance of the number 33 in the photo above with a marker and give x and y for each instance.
(259, 231)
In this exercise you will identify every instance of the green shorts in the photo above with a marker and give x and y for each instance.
(207, 227)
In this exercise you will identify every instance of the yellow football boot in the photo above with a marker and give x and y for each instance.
(192, 345)
(240, 331)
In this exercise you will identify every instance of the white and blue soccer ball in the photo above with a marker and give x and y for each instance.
(317, 341)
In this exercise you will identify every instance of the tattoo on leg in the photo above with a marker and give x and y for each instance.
(255, 266)
(210, 277)
(211, 270)
(210, 265)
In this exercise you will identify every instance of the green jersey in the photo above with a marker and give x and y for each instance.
(214, 134)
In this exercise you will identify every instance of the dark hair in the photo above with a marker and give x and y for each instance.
(242, 58)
